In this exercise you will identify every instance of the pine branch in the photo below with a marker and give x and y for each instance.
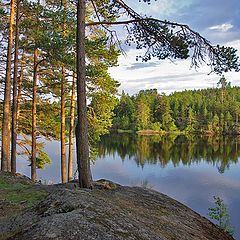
(164, 39)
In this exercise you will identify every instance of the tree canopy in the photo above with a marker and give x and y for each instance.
(207, 111)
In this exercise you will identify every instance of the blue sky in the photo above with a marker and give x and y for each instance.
(217, 20)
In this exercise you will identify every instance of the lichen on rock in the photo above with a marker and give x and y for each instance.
(109, 212)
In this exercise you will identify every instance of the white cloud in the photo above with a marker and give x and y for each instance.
(223, 27)
(166, 76)
(235, 44)
(159, 9)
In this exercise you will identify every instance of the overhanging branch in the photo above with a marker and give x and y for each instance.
(164, 39)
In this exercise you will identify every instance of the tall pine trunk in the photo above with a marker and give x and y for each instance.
(71, 130)
(63, 120)
(15, 86)
(5, 153)
(34, 119)
(84, 172)
(19, 93)
(63, 146)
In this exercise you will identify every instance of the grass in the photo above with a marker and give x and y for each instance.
(17, 194)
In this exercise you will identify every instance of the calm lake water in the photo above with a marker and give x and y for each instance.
(189, 169)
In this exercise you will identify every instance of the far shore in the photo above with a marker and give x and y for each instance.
(162, 132)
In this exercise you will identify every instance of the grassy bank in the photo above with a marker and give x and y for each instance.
(17, 193)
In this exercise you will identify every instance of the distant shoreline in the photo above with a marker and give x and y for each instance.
(162, 132)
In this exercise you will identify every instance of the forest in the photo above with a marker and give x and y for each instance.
(213, 111)
(44, 70)
(54, 60)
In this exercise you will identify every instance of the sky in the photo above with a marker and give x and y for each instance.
(216, 20)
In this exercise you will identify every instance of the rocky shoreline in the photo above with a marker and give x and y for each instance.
(107, 212)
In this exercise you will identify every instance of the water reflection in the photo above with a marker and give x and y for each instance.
(190, 169)
(218, 151)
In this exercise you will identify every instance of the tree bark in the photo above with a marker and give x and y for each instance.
(63, 120)
(84, 172)
(63, 146)
(15, 85)
(5, 153)
(71, 130)
(20, 88)
(34, 119)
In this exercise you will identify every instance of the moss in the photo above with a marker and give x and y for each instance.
(16, 196)
(28, 197)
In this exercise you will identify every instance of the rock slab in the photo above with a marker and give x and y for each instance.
(109, 213)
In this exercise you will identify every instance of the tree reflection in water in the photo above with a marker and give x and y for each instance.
(219, 151)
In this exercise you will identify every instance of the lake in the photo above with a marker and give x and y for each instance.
(189, 169)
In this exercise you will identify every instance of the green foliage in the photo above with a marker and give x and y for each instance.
(193, 111)
(100, 115)
(48, 121)
(156, 126)
(223, 82)
(51, 28)
(107, 10)
(142, 115)
(225, 60)
(42, 159)
(220, 214)
(164, 39)
(163, 50)
(124, 113)
(168, 122)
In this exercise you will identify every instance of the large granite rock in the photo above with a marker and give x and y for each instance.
(107, 212)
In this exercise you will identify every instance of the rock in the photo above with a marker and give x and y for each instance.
(105, 184)
(15, 178)
(109, 212)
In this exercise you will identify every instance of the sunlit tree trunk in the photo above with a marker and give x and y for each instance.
(5, 153)
(63, 120)
(19, 93)
(71, 130)
(85, 177)
(15, 85)
(63, 146)
(34, 119)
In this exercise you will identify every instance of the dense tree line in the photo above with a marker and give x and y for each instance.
(206, 111)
